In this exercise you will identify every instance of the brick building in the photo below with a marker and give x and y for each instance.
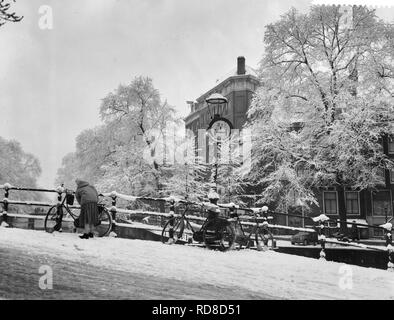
(372, 206)
(238, 87)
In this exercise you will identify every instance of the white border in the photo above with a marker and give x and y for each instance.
(369, 3)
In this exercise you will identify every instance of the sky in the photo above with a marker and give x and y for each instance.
(53, 80)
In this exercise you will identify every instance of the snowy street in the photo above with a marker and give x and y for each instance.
(111, 268)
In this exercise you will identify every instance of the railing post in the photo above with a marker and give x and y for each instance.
(171, 229)
(321, 234)
(389, 244)
(7, 187)
(113, 211)
(59, 210)
(322, 238)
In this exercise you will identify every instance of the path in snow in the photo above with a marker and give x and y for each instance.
(109, 268)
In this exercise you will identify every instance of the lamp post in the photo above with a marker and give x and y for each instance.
(385, 212)
(219, 128)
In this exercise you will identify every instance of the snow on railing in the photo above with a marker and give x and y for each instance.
(320, 220)
(355, 244)
(33, 203)
(388, 227)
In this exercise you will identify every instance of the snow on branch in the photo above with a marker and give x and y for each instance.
(5, 15)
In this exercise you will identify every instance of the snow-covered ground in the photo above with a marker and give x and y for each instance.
(266, 274)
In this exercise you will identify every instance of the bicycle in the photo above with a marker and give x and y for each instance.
(263, 237)
(215, 233)
(54, 216)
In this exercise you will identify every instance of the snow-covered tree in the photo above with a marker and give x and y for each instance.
(186, 175)
(121, 154)
(139, 114)
(6, 15)
(19, 169)
(227, 173)
(94, 150)
(324, 106)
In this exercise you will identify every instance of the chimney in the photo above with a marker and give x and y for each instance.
(241, 65)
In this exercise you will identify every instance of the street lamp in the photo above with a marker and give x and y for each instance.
(214, 102)
(219, 128)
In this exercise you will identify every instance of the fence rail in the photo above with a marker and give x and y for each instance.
(319, 228)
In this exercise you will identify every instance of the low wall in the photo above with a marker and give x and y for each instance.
(361, 257)
(128, 231)
(357, 256)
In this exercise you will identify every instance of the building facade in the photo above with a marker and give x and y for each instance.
(366, 206)
(238, 87)
(371, 206)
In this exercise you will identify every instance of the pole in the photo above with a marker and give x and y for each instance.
(216, 176)
(59, 210)
(322, 239)
(5, 204)
(389, 244)
(113, 212)
(172, 220)
(320, 220)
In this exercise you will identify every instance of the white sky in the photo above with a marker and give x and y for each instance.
(52, 80)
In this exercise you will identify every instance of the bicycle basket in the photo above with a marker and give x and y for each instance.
(198, 236)
(69, 199)
(100, 207)
(77, 223)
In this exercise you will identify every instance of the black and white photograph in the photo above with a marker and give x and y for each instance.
(211, 152)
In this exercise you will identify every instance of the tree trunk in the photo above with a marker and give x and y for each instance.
(342, 208)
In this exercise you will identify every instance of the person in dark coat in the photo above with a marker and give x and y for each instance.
(87, 197)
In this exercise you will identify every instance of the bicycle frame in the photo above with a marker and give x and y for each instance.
(244, 238)
(183, 217)
(179, 223)
(236, 220)
(61, 205)
(64, 204)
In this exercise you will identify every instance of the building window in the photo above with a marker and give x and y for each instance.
(330, 202)
(377, 232)
(391, 145)
(382, 176)
(381, 202)
(352, 202)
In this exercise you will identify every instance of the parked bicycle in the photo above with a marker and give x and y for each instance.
(54, 217)
(215, 232)
(258, 231)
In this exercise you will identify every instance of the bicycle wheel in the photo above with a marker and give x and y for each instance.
(264, 239)
(219, 236)
(52, 219)
(105, 223)
(173, 229)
